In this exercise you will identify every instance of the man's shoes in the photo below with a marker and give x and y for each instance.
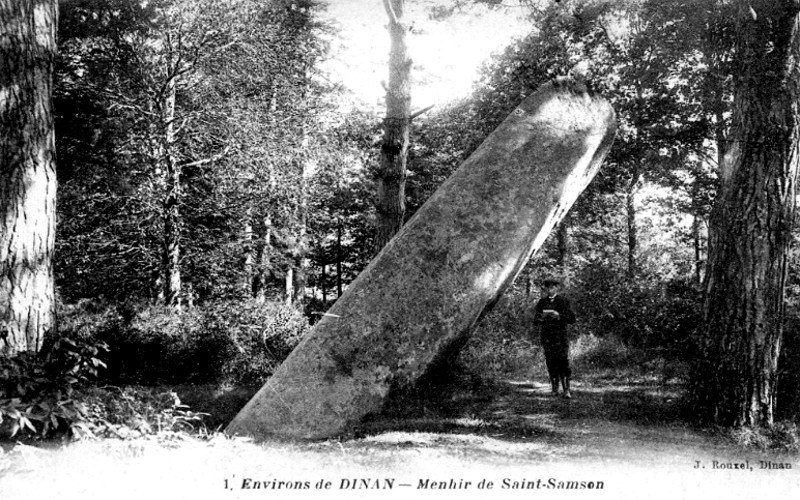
(567, 394)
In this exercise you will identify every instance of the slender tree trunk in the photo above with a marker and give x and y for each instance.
(299, 283)
(750, 226)
(172, 218)
(263, 252)
(633, 237)
(391, 205)
(323, 284)
(299, 259)
(562, 235)
(247, 251)
(288, 293)
(27, 174)
(339, 230)
(698, 250)
(264, 247)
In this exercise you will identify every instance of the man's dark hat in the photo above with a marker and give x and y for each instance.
(551, 282)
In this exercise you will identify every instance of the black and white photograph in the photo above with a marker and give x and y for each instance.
(390, 249)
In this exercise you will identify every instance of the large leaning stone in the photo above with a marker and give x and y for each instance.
(426, 290)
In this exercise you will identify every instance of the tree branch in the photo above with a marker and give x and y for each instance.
(423, 110)
(207, 160)
(387, 4)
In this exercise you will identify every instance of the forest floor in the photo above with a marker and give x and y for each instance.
(625, 434)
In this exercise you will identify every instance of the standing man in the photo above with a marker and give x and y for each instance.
(553, 314)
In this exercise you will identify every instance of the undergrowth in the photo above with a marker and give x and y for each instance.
(782, 436)
(39, 393)
(53, 395)
(132, 412)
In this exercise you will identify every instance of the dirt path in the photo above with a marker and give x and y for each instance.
(626, 437)
(604, 420)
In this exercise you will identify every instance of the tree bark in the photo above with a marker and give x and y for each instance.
(323, 283)
(263, 253)
(247, 253)
(172, 217)
(300, 257)
(562, 235)
(698, 252)
(27, 174)
(751, 224)
(288, 292)
(264, 248)
(697, 222)
(633, 237)
(299, 283)
(391, 204)
(339, 285)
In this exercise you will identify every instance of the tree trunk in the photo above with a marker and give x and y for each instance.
(264, 248)
(323, 284)
(172, 221)
(263, 252)
(750, 226)
(562, 235)
(247, 251)
(299, 283)
(339, 231)
(633, 238)
(698, 253)
(697, 222)
(27, 174)
(391, 204)
(288, 293)
(299, 259)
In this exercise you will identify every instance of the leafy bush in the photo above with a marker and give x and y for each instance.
(647, 313)
(236, 343)
(505, 342)
(132, 412)
(600, 353)
(37, 392)
(263, 336)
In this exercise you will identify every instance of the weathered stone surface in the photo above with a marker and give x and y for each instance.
(426, 290)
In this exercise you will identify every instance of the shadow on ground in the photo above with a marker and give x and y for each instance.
(508, 403)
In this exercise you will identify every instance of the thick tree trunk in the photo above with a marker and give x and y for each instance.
(750, 226)
(419, 299)
(27, 174)
(391, 204)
